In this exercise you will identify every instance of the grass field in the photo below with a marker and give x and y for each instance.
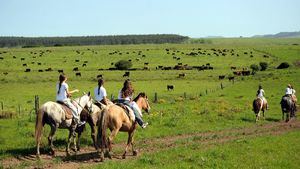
(196, 105)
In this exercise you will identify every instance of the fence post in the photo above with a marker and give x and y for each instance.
(155, 97)
(36, 103)
(222, 87)
(184, 95)
(2, 107)
(19, 109)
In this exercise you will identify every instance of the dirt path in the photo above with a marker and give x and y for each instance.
(88, 156)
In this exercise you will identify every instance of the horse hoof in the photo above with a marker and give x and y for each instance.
(135, 153)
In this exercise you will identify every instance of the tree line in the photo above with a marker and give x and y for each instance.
(91, 40)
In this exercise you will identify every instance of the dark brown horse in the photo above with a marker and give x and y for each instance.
(115, 118)
(288, 107)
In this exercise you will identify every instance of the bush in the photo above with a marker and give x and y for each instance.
(254, 68)
(123, 65)
(263, 66)
(283, 65)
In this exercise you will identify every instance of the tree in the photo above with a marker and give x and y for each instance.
(263, 66)
(254, 68)
(123, 65)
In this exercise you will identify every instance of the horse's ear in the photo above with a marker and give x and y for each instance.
(89, 93)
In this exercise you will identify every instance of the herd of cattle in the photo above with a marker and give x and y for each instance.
(174, 53)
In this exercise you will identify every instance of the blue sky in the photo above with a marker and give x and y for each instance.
(194, 18)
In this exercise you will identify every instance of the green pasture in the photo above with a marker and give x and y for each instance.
(196, 104)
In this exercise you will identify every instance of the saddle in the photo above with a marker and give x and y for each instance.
(129, 112)
(67, 110)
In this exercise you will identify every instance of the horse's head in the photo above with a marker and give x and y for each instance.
(142, 101)
(86, 101)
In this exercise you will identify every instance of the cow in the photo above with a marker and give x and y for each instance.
(170, 87)
(48, 69)
(78, 74)
(22, 58)
(40, 70)
(232, 67)
(126, 74)
(84, 65)
(231, 78)
(1, 58)
(39, 63)
(5, 73)
(24, 64)
(60, 71)
(85, 61)
(146, 63)
(99, 76)
(221, 77)
(181, 75)
(238, 73)
(77, 60)
(27, 70)
(245, 72)
(75, 69)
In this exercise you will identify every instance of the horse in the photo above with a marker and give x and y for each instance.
(92, 118)
(115, 118)
(53, 114)
(288, 107)
(259, 105)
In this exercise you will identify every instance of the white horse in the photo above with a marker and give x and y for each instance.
(54, 115)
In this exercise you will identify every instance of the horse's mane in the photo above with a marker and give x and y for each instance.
(142, 94)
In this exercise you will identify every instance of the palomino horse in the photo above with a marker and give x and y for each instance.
(115, 118)
(288, 107)
(54, 115)
(259, 105)
(91, 117)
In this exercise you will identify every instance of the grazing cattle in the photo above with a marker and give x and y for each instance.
(76, 60)
(27, 70)
(99, 76)
(146, 63)
(179, 63)
(49, 69)
(129, 60)
(181, 75)
(100, 69)
(1, 58)
(210, 68)
(60, 71)
(245, 72)
(22, 58)
(170, 87)
(5, 73)
(231, 78)
(232, 67)
(221, 77)
(137, 59)
(14, 57)
(78, 74)
(84, 65)
(32, 62)
(167, 68)
(24, 64)
(85, 61)
(39, 63)
(237, 73)
(143, 56)
(40, 70)
(112, 63)
(266, 56)
(126, 74)
(75, 69)
(246, 53)
(178, 58)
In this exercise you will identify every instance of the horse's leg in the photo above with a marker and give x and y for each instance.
(282, 115)
(110, 139)
(78, 140)
(50, 138)
(69, 142)
(134, 152)
(129, 141)
(263, 111)
(93, 135)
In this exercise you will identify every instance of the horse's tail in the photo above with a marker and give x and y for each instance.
(39, 124)
(102, 126)
(256, 106)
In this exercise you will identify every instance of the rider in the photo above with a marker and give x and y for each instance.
(63, 95)
(125, 97)
(100, 93)
(288, 90)
(260, 94)
(294, 98)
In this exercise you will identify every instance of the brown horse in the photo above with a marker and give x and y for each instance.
(259, 105)
(115, 118)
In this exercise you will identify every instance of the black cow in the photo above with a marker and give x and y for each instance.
(126, 74)
(84, 65)
(27, 70)
(170, 87)
(49, 69)
(75, 69)
(76, 60)
(24, 64)
(60, 71)
(40, 70)
(99, 76)
(231, 78)
(78, 74)
(221, 77)
(181, 75)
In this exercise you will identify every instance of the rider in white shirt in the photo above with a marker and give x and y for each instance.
(260, 94)
(63, 95)
(100, 92)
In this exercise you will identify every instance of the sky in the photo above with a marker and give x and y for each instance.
(193, 18)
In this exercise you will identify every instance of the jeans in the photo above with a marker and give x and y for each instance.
(73, 108)
(138, 118)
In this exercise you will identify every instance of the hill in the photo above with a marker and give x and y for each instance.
(280, 35)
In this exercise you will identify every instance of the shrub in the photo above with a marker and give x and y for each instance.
(283, 65)
(123, 65)
(263, 65)
(254, 68)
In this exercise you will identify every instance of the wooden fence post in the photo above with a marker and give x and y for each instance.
(155, 97)
(36, 103)
(184, 95)
(19, 109)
